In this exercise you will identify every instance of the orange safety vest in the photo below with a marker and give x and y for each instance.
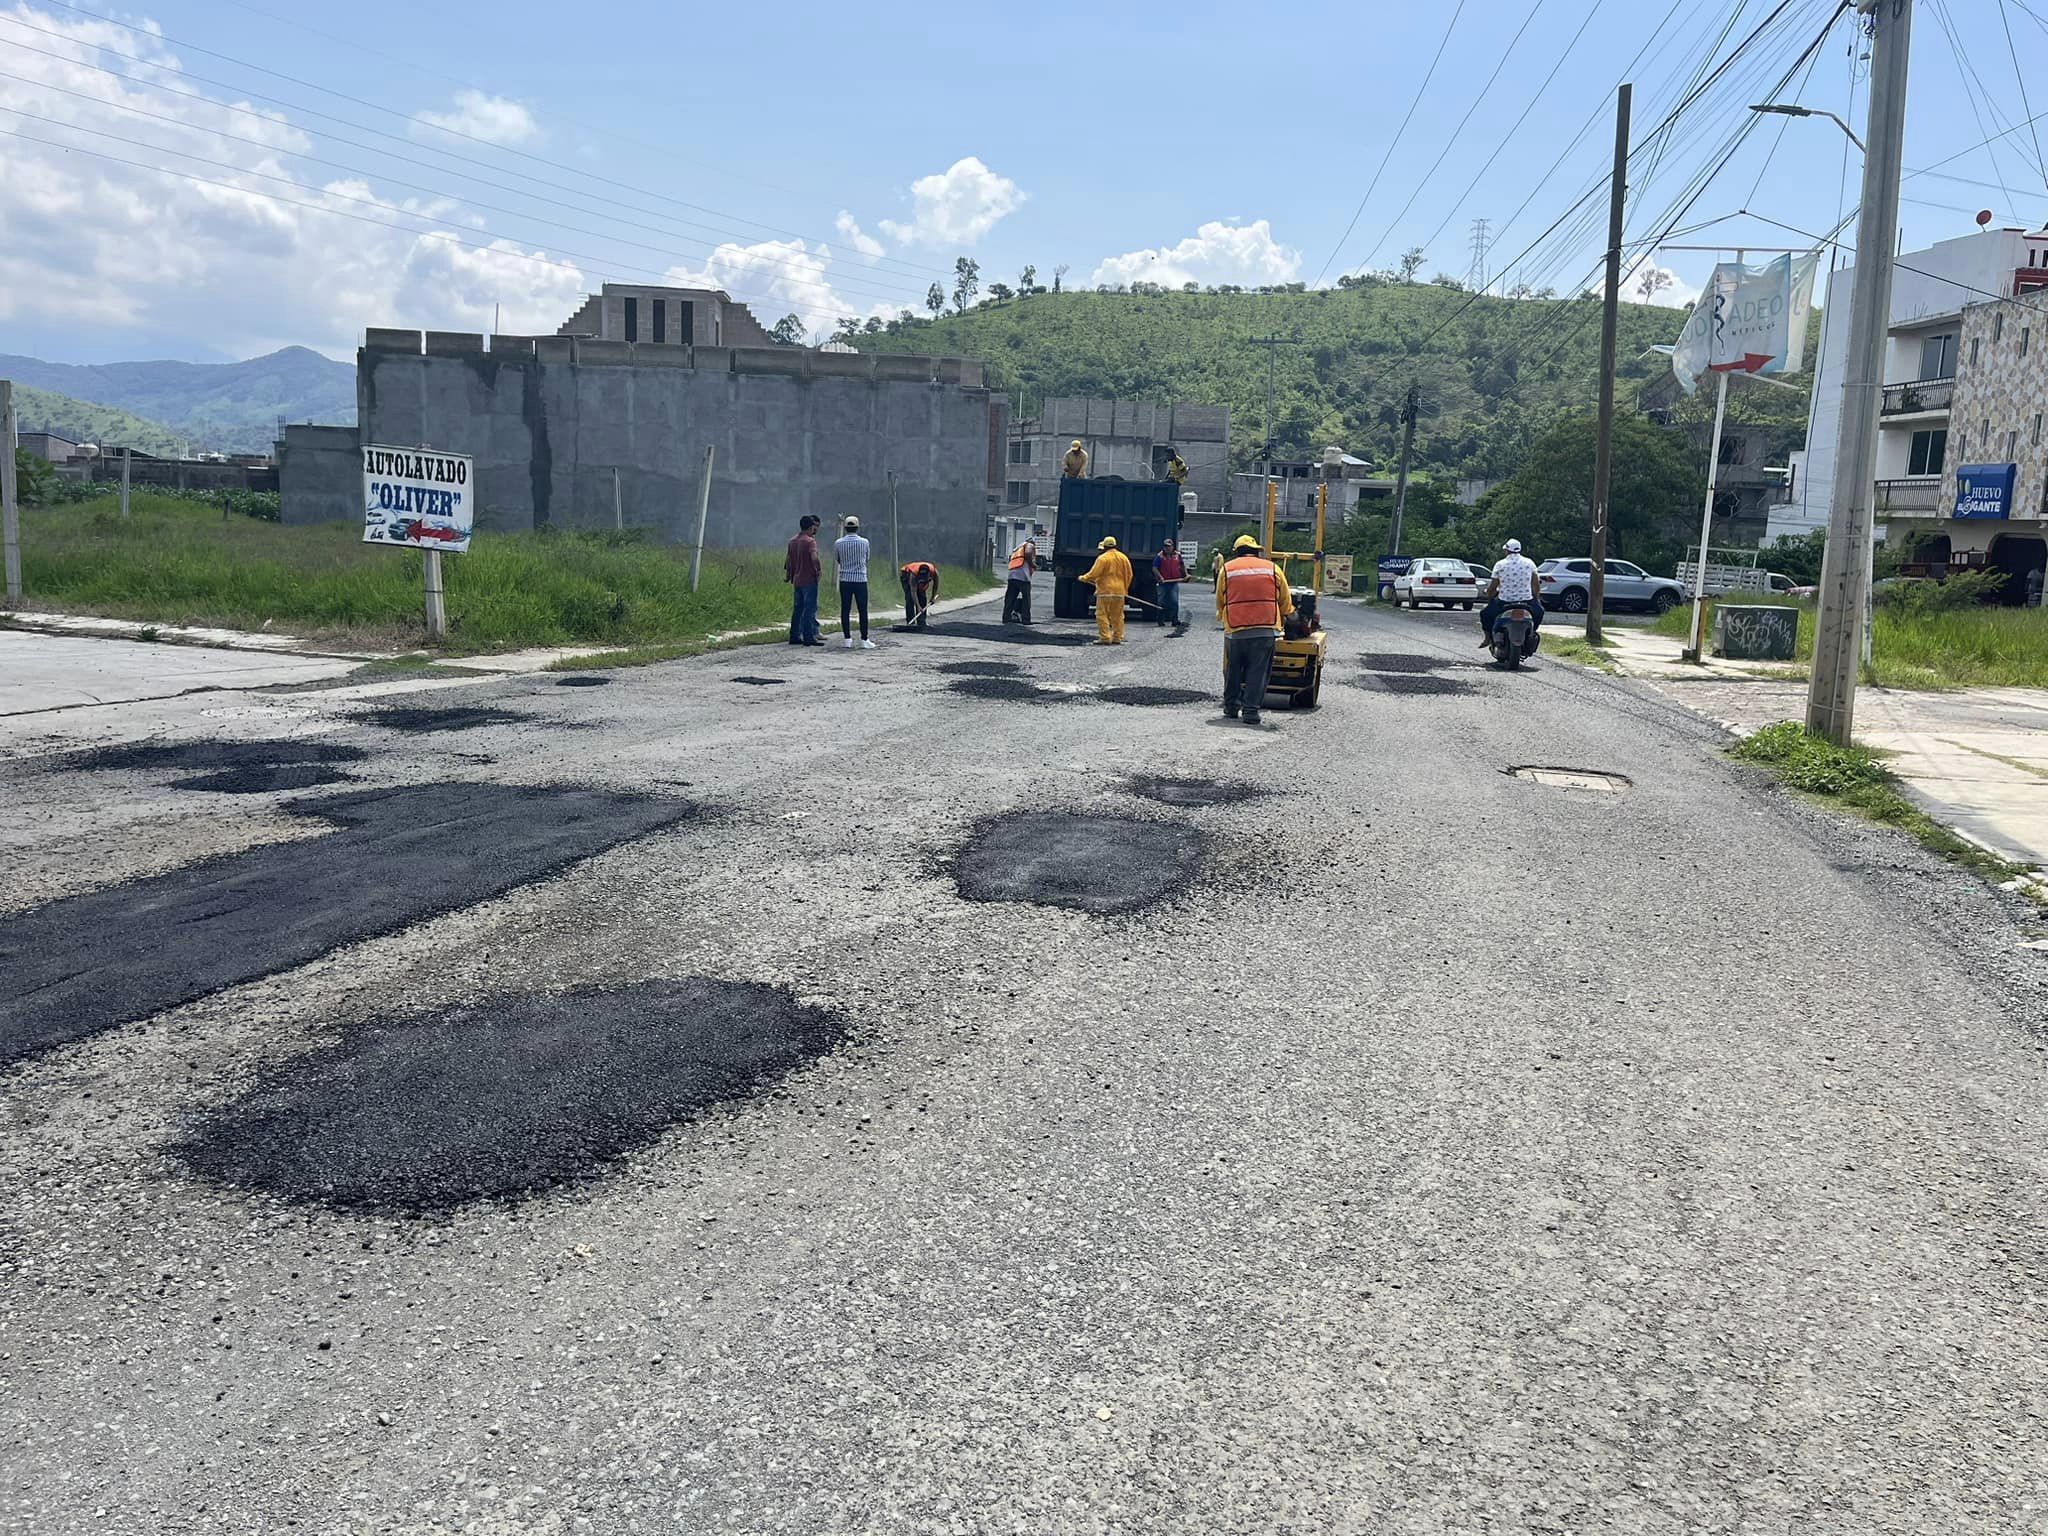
(920, 571)
(1017, 558)
(1251, 597)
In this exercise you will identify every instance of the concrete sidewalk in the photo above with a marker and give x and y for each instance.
(1976, 759)
(43, 672)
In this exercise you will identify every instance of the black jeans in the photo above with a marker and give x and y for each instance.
(1501, 605)
(1247, 662)
(1017, 601)
(851, 592)
(915, 604)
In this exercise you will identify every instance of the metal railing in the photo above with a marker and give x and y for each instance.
(1918, 395)
(1922, 493)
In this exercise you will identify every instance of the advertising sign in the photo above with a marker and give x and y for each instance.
(1984, 490)
(418, 498)
(1747, 320)
(1390, 567)
(1337, 575)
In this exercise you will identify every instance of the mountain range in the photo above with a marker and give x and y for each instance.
(227, 407)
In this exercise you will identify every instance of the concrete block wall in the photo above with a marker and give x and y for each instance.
(548, 421)
(320, 474)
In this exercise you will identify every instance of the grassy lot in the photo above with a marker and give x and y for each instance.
(1953, 648)
(1856, 779)
(176, 563)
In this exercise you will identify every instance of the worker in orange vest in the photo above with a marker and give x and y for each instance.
(1252, 598)
(1110, 576)
(1017, 593)
(920, 591)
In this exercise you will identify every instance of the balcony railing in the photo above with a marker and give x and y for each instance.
(1921, 493)
(1918, 395)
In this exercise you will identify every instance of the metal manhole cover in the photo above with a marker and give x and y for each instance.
(1573, 778)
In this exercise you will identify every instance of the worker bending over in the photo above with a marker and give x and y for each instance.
(1251, 599)
(920, 591)
(1176, 467)
(1110, 576)
(1075, 465)
(1017, 592)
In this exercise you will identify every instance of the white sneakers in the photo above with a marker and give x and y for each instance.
(867, 645)
(849, 642)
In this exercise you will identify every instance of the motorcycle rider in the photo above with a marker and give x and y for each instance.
(1513, 585)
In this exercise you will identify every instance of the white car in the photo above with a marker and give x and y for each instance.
(1448, 582)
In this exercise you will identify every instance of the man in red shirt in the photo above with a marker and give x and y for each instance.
(800, 568)
(1170, 571)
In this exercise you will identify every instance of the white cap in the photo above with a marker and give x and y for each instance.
(1513, 546)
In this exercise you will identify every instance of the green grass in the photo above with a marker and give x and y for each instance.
(1857, 779)
(1577, 648)
(1976, 647)
(176, 563)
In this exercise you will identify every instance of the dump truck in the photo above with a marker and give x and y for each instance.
(1139, 514)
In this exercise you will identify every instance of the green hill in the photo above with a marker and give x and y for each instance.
(38, 410)
(1493, 372)
(229, 407)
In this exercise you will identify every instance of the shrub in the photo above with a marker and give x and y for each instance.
(1810, 763)
(1962, 589)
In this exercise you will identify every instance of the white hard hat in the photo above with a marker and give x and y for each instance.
(1513, 546)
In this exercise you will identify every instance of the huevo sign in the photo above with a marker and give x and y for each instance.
(1984, 490)
(418, 498)
(1748, 320)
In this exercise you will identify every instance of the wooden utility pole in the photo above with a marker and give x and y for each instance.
(1603, 451)
(1401, 475)
(10, 515)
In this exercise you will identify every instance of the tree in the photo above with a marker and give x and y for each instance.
(1547, 503)
(1027, 281)
(1652, 282)
(33, 477)
(1191, 286)
(966, 280)
(873, 326)
(1411, 262)
(1000, 291)
(1058, 275)
(789, 330)
(849, 330)
(935, 299)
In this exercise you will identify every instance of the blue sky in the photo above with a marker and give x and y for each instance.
(834, 159)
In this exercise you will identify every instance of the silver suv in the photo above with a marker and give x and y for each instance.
(1568, 584)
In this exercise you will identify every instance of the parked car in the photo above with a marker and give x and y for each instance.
(1483, 574)
(1568, 585)
(1431, 580)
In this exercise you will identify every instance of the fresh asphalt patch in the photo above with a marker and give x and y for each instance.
(979, 668)
(581, 681)
(1409, 682)
(395, 859)
(1012, 634)
(423, 720)
(1023, 691)
(762, 682)
(1009, 690)
(214, 756)
(1388, 661)
(1150, 698)
(505, 1097)
(1195, 793)
(1099, 864)
(265, 780)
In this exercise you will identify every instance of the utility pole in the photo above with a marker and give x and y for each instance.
(1401, 475)
(1838, 628)
(1603, 451)
(10, 515)
(1266, 450)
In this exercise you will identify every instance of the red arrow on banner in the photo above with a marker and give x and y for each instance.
(1752, 362)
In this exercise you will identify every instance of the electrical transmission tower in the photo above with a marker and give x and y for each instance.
(1476, 279)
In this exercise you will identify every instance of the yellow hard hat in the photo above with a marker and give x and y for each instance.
(1107, 544)
(1245, 541)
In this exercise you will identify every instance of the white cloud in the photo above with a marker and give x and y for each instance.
(858, 238)
(957, 206)
(494, 119)
(1675, 292)
(105, 246)
(1218, 252)
(774, 278)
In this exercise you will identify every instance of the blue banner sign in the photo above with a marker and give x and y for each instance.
(1394, 565)
(1984, 490)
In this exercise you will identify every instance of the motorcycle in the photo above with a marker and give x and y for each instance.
(1514, 636)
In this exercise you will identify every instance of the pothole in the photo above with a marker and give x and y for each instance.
(423, 721)
(264, 779)
(1194, 792)
(1006, 689)
(1595, 779)
(1389, 661)
(505, 1097)
(1008, 634)
(581, 682)
(209, 756)
(1100, 864)
(1409, 682)
(1147, 697)
(979, 668)
(762, 682)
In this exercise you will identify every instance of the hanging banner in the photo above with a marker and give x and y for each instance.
(418, 498)
(1748, 320)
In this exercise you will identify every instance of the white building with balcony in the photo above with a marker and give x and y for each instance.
(1923, 358)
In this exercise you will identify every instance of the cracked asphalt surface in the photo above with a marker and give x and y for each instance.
(1453, 1153)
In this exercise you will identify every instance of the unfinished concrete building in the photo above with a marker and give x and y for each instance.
(581, 432)
(684, 317)
(1130, 438)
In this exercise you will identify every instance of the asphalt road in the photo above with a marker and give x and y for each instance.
(1426, 1149)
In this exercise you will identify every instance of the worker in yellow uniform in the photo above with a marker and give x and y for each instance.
(1251, 599)
(1176, 467)
(1110, 576)
(1075, 465)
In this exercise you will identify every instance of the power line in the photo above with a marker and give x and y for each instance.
(1428, 75)
(306, 111)
(2019, 75)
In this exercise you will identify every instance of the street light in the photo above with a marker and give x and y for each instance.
(1792, 109)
